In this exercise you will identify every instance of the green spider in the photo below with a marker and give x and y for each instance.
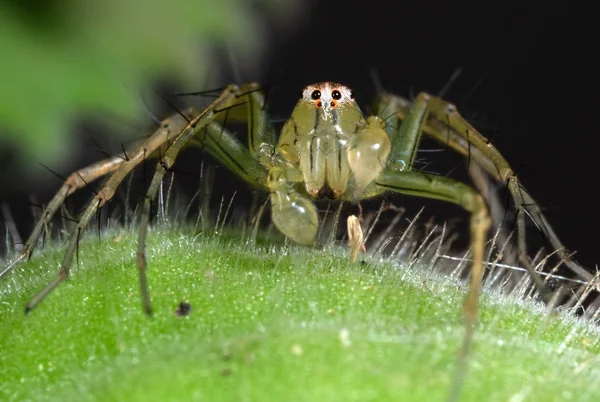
(327, 148)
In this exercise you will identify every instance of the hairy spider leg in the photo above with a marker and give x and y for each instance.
(76, 180)
(399, 177)
(223, 146)
(448, 127)
(160, 138)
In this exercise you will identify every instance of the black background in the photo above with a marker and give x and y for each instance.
(529, 70)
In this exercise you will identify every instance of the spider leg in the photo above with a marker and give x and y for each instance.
(470, 142)
(292, 213)
(262, 136)
(398, 177)
(169, 132)
(448, 127)
(405, 135)
(74, 182)
(209, 134)
(450, 190)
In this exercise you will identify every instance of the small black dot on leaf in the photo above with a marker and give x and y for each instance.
(183, 309)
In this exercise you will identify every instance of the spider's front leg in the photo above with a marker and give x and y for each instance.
(399, 177)
(450, 190)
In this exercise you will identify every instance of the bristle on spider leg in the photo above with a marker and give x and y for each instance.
(125, 156)
(172, 106)
(148, 110)
(474, 87)
(213, 93)
(268, 86)
(376, 80)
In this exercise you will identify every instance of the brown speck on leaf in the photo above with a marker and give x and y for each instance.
(183, 309)
(226, 372)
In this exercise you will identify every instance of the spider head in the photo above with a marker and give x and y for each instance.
(326, 108)
(328, 97)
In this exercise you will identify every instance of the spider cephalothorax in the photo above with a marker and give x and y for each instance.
(337, 150)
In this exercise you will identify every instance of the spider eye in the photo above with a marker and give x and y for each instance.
(351, 95)
(336, 95)
(316, 94)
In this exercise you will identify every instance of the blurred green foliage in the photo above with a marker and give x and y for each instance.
(64, 58)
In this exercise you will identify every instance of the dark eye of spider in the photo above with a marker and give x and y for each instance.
(336, 95)
(316, 94)
(351, 95)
